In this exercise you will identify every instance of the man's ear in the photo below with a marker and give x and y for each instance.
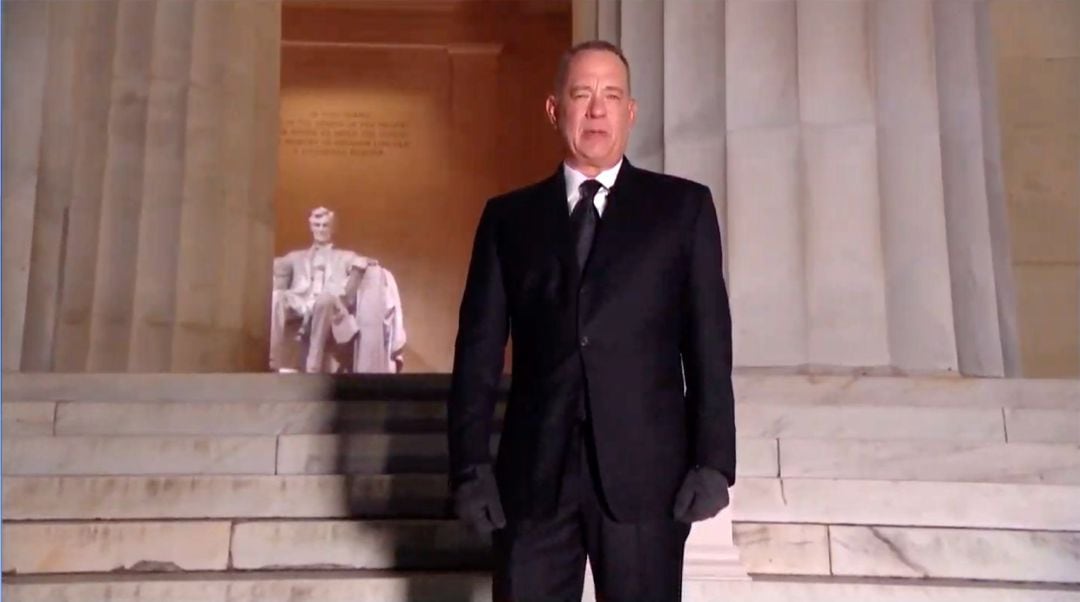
(633, 111)
(551, 107)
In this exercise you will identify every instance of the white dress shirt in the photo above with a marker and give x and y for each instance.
(574, 178)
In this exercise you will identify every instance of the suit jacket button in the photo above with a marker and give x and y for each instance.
(584, 341)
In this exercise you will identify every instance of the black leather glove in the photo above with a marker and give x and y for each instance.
(476, 501)
(704, 493)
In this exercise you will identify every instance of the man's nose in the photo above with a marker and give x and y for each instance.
(596, 106)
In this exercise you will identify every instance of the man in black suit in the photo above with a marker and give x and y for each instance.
(619, 429)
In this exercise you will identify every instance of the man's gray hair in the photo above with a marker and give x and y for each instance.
(603, 45)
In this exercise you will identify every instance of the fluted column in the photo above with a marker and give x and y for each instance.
(981, 347)
(765, 235)
(25, 51)
(847, 143)
(694, 125)
(920, 310)
(152, 228)
(842, 219)
(641, 33)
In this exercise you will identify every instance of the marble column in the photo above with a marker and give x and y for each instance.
(765, 235)
(847, 145)
(920, 316)
(153, 204)
(25, 51)
(641, 33)
(844, 265)
(968, 205)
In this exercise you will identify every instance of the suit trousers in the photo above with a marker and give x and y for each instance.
(543, 559)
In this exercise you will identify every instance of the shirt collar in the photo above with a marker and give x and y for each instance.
(574, 178)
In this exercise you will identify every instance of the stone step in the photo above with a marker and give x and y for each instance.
(774, 421)
(931, 461)
(766, 548)
(1043, 426)
(915, 552)
(84, 547)
(926, 391)
(765, 500)
(201, 497)
(433, 586)
(768, 421)
(111, 455)
(250, 417)
(750, 387)
(288, 454)
(908, 503)
(378, 454)
(28, 417)
(196, 387)
(116, 546)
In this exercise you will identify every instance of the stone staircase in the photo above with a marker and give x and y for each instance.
(246, 488)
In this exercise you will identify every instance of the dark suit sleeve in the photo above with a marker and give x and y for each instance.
(483, 327)
(706, 348)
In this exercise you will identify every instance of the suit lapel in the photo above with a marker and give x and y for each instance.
(556, 218)
(615, 235)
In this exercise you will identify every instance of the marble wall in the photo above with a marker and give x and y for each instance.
(852, 147)
(1037, 46)
(139, 166)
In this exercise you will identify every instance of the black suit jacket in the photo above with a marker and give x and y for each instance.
(650, 304)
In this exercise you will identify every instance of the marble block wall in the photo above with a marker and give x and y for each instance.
(1038, 57)
(852, 149)
(140, 156)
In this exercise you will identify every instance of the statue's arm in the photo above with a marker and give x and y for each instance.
(283, 272)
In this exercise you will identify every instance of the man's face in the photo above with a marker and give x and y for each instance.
(322, 228)
(594, 111)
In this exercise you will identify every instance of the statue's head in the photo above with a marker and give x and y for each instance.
(321, 221)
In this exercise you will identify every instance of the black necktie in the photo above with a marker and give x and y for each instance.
(583, 220)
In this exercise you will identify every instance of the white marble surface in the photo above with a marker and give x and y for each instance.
(223, 496)
(426, 453)
(1043, 426)
(710, 551)
(757, 457)
(931, 461)
(921, 331)
(767, 282)
(355, 544)
(23, 418)
(878, 422)
(244, 417)
(103, 455)
(944, 391)
(846, 305)
(783, 549)
(764, 590)
(1039, 556)
(762, 61)
(362, 454)
(334, 586)
(751, 386)
(102, 547)
(974, 505)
